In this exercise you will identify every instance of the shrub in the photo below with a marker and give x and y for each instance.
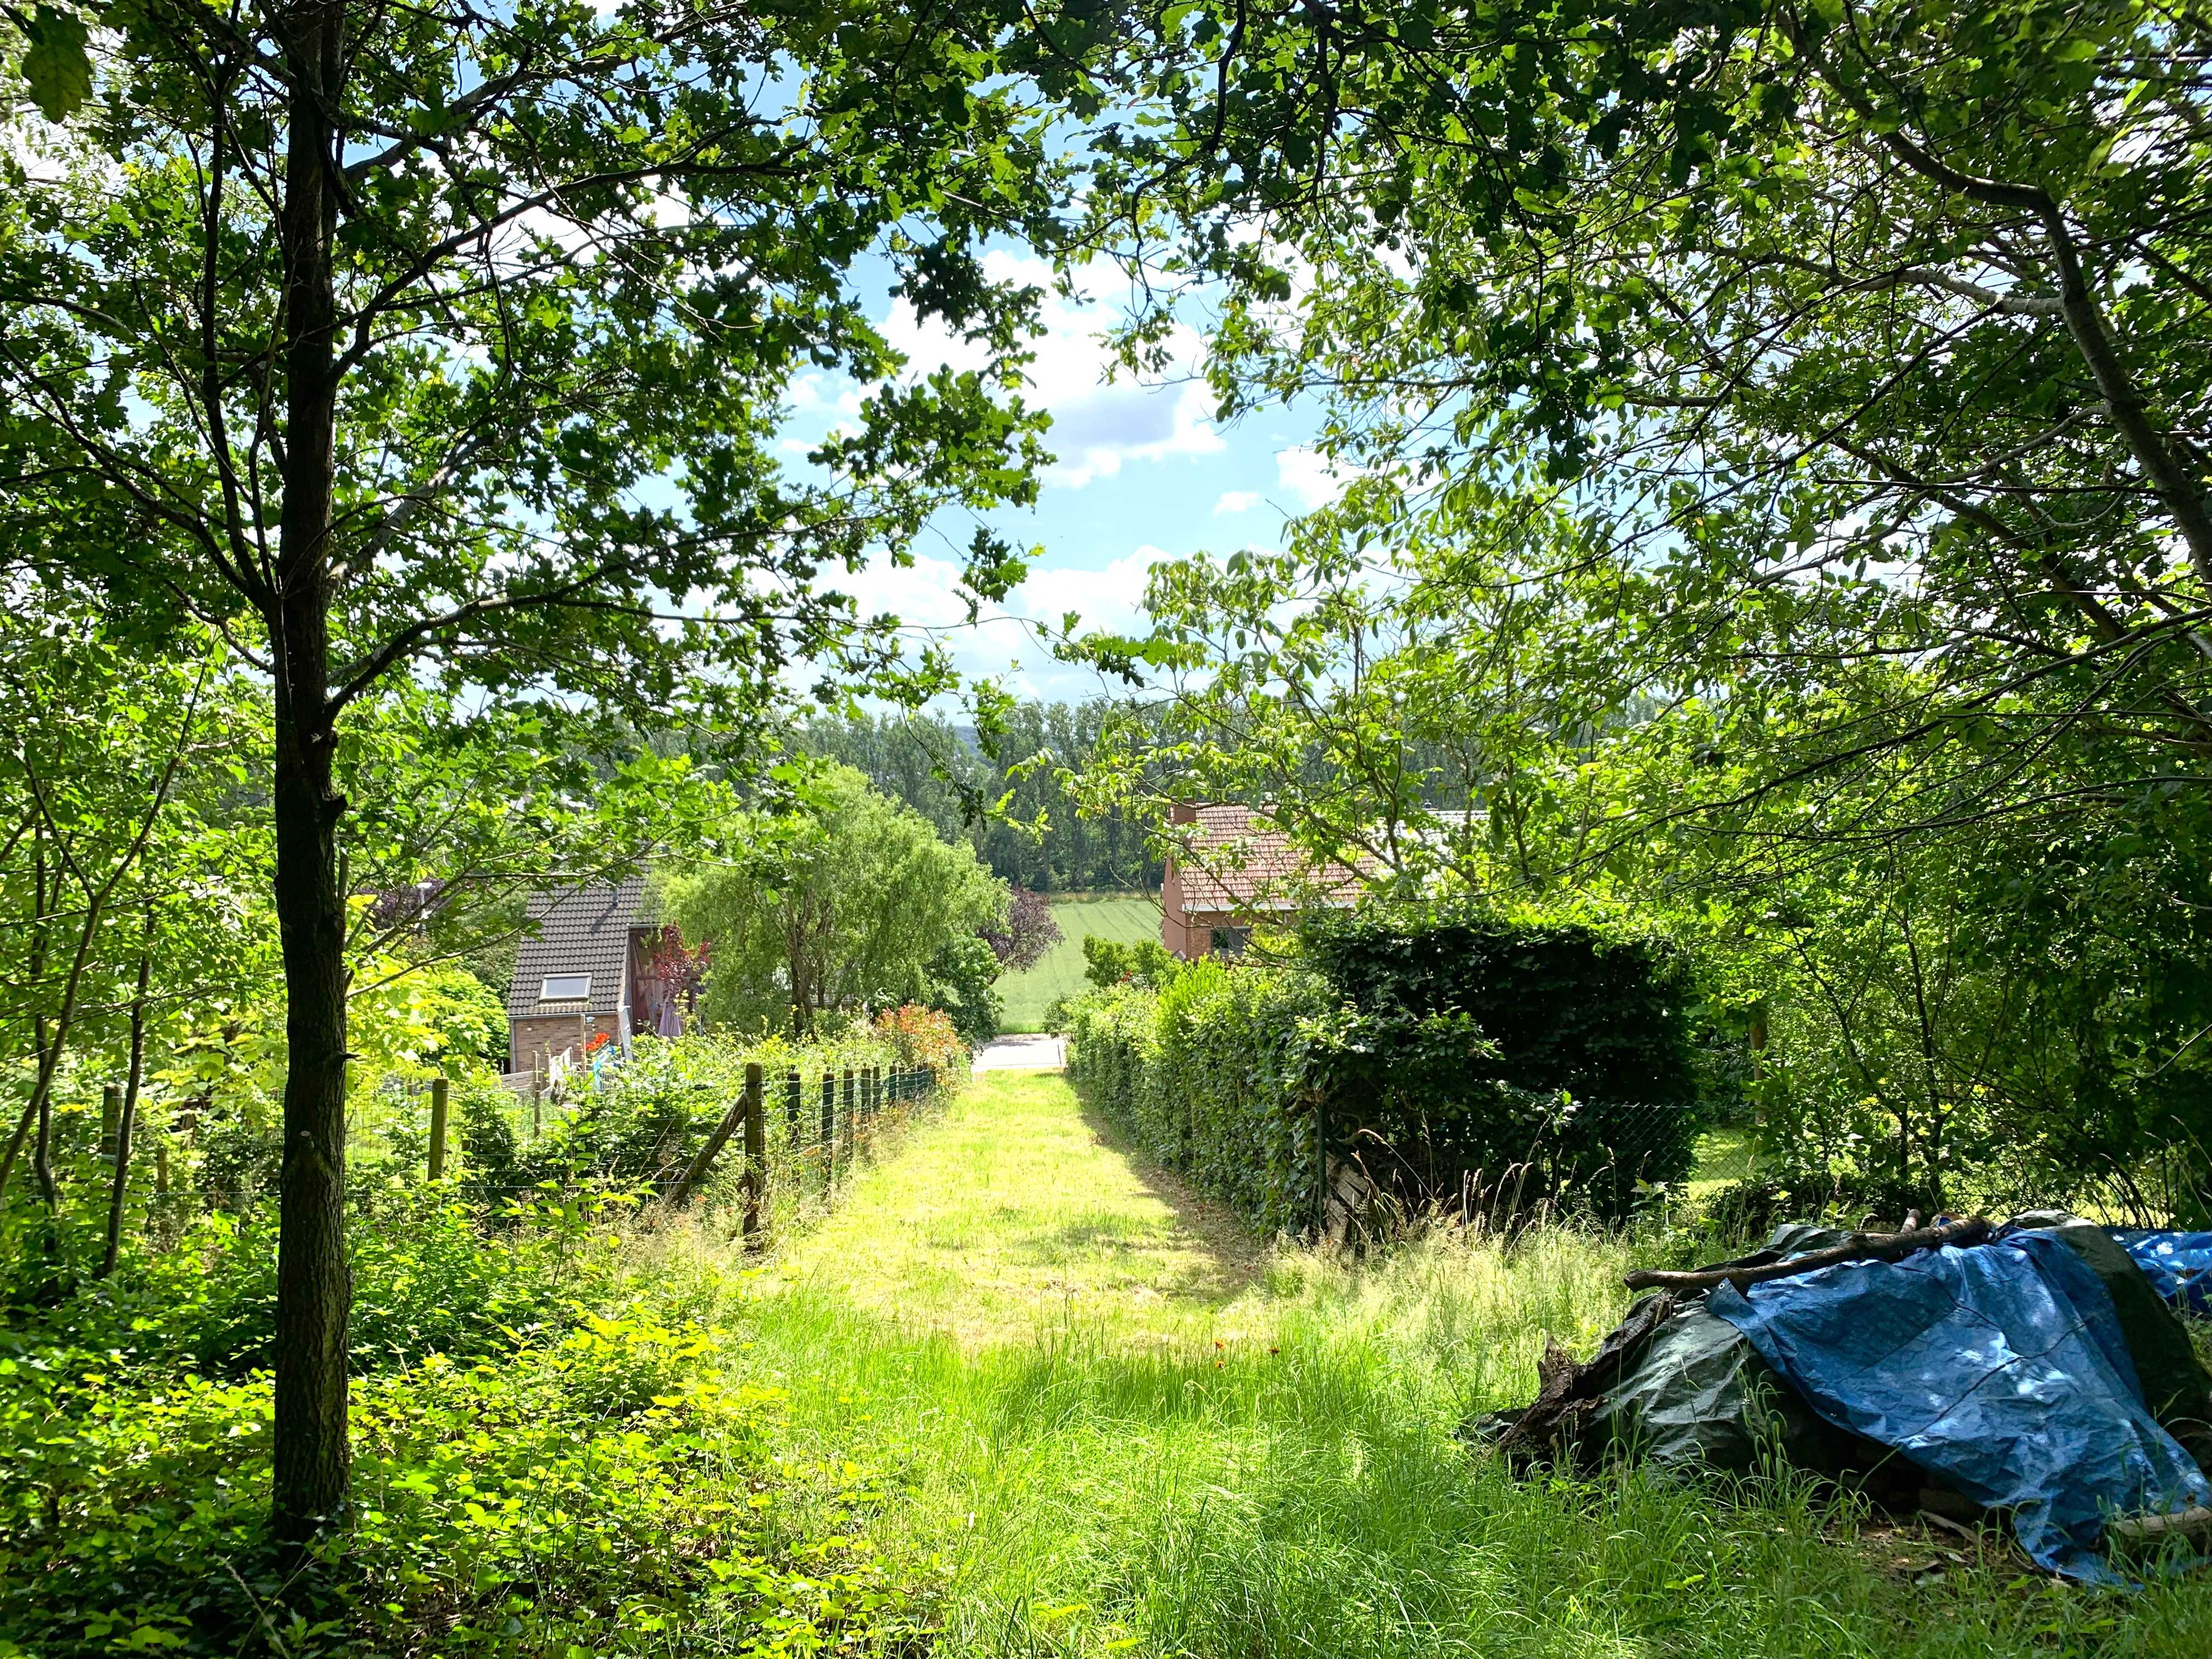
(1236, 1074)
(587, 1493)
(1215, 1076)
(1567, 1007)
(959, 982)
(923, 1038)
(1145, 962)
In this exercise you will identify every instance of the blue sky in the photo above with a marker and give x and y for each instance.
(1143, 474)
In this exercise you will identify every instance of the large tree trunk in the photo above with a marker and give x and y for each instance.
(313, 1288)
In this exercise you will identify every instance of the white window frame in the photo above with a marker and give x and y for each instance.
(547, 994)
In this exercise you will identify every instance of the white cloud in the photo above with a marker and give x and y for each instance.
(925, 598)
(1308, 476)
(1237, 501)
(1111, 599)
(1098, 426)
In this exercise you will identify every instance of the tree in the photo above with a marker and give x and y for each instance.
(1774, 487)
(1866, 329)
(839, 908)
(1015, 799)
(1027, 933)
(450, 343)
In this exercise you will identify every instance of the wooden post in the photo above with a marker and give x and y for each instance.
(111, 1119)
(438, 1087)
(755, 1154)
(746, 1110)
(794, 1099)
(852, 1129)
(830, 1124)
(1321, 1163)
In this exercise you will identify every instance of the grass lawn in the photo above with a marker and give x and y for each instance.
(1033, 990)
(1105, 1421)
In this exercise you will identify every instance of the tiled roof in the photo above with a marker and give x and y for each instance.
(1232, 859)
(580, 930)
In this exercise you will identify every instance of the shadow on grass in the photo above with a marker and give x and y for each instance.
(1236, 1261)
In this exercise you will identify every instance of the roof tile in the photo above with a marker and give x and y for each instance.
(578, 930)
(1233, 860)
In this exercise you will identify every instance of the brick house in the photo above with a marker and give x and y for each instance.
(585, 968)
(1228, 867)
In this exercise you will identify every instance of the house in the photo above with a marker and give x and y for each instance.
(1228, 867)
(589, 966)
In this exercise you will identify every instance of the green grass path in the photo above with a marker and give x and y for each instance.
(1013, 1216)
(1105, 1423)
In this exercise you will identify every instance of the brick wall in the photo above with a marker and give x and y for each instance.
(533, 1042)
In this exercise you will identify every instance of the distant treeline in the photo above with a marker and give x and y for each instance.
(941, 772)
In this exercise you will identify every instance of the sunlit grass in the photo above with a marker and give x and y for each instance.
(1109, 1423)
(1724, 1156)
(1026, 995)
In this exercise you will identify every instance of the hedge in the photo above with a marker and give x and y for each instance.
(1215, 1077)
(1448, 1057)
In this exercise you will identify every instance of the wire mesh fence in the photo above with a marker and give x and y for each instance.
(1527, 1156)
(660, 1138)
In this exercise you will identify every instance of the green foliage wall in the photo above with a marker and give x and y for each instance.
(1232, 1074)
(1215, 1077)
(1567, 1007)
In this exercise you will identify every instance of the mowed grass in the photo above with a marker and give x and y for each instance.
(1032, 991)
(1108, 1423)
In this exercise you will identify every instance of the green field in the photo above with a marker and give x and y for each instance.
(1030, 992)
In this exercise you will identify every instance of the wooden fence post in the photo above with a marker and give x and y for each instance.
(439, 1088)
(829, 1125)
(744, 1110)
(1321, 1162)
(852, 1129)
(794, 1093)
(755, 1154)
(111, 1119)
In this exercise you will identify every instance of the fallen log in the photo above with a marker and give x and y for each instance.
(1564, 1385)
(1860, 1247)
(2152, 1529)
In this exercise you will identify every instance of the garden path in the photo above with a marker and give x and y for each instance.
(1019, 1212)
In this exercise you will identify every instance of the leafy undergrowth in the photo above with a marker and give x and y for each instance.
(585, 1477)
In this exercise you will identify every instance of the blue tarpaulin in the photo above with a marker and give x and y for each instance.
(2000, 1370)
(2177, 1265)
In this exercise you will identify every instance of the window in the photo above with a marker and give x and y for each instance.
(565, 987)
(1231, 941)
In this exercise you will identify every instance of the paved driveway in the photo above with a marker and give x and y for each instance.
(1031, 1051)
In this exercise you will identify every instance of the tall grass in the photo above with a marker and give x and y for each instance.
(1262, 1460)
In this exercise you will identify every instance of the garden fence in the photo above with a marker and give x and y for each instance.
(1602, 1158)
(799, 1133)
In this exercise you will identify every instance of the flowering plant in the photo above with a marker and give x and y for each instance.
(923, 1036)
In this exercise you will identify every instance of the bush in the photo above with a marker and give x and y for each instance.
(1215, 1076)
(960, 981)
(541, 1465)
(584, 1493)
(1145, 962)
(1567, 1007)
(1235, 1074)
